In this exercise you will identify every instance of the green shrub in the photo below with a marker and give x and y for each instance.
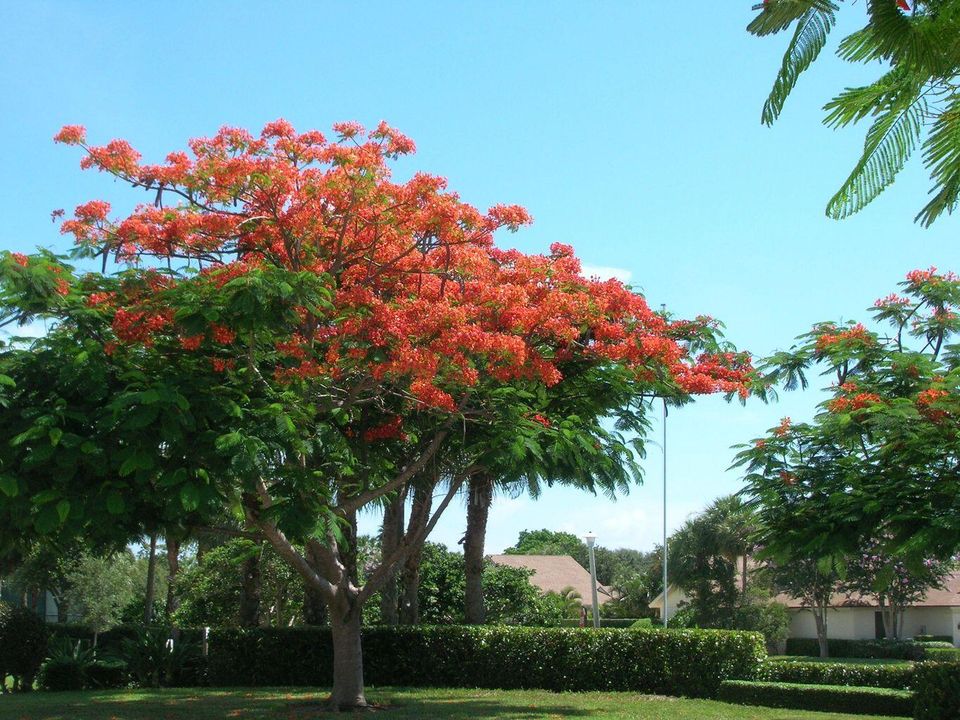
(898, 677)
(937, 688)
(105, 674)
(942, 654)
(896, 649)
(61, 674)
(826, 698)
(154, 659)
(643, 623)
(933, 638)
(23, 646)
(604, 622)
(689, 662)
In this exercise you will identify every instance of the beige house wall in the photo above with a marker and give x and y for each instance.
(851, 623)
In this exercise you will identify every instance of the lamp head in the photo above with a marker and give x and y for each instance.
(590, 538)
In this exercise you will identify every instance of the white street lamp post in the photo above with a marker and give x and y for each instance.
(664, 448)
(591, 539)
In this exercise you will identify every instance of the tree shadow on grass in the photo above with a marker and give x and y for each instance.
(286, 704)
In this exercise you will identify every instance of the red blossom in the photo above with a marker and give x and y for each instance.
(71, 135)
(20, 259)
(222, 334)
(783, 428)
(191, 342)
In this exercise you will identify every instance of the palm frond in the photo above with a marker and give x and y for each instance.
(888, 145)
(809, 38)
(942, 155)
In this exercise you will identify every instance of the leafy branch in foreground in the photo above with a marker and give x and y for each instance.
(915, 102)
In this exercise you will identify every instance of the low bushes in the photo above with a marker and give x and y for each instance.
(896, 649)
(898, 677)
(933, 638)
(937, 687)
(942, 654)
(686, 662)
(833, 698)
(23, 645)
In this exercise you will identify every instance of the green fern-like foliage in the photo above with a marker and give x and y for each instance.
(914, 103)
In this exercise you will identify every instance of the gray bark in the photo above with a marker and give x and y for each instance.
(390, 536)
(479, 499)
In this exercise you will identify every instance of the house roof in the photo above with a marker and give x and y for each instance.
(556, 573)
(947, 596)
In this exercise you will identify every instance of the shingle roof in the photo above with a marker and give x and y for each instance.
(556, 573)
(947, 596)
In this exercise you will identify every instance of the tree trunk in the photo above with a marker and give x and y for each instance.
(347, 660)
(743, 576)
(820, 616)
(249, 615)
(151, 581)
(63, 610)
(314, 606)
(480, 497)
(390, 536)
(410, 576)
(173, 567)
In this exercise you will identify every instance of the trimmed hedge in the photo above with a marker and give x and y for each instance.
(826, 698)
(671, 662)
(893, 649)
(937, 687)
(604, 622)
(897, 677)
(934, 638)
(943, 654)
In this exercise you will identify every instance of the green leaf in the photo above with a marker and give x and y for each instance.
(7, 380)
(228, 442)
(888, 145)
(190, 497)
(9, 486)
(47, 520)
(55, 435)
(115, 503)
(63, 510)
(808, 40)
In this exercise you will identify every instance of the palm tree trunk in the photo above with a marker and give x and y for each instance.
(151, 581)
(390, 536)
(480, 498)
(410, 574)
(173, 567)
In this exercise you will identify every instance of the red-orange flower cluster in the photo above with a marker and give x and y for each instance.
(421, 297)
(857, 333)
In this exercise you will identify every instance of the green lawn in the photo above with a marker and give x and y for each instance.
(399, 704)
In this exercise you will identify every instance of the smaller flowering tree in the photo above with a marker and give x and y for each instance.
(894, 582)
(882, 457)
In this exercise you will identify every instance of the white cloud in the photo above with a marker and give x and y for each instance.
(605, 273)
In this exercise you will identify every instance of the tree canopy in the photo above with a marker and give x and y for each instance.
(881, 460)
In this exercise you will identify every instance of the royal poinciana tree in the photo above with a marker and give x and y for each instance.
(881, 460)
(292, 336)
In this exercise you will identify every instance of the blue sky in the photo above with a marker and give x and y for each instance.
(628, 129)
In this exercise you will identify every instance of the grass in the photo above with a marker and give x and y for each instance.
(844, 660)
(398, 704)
